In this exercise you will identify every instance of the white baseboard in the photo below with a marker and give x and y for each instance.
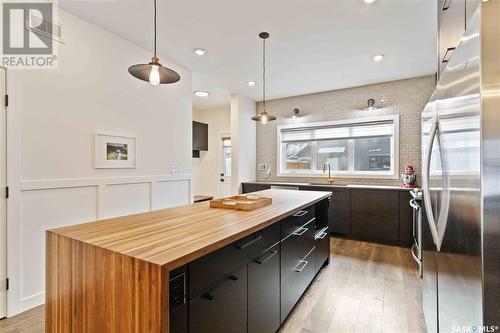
(32, 301)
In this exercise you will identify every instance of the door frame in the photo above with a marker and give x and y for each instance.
(3, 219)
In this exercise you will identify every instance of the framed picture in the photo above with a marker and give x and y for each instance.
(114, 151)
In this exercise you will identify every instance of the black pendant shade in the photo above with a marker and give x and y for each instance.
(263, 116)
(154, 72)
(143, 72)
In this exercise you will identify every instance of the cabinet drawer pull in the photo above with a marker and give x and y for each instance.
(253, 241)
(302, 264)
(265, 257)
(300, 213)
(322, 235)
(300, 231)
(210, 294)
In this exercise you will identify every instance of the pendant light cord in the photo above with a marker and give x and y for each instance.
(264, 74)
(155, 55)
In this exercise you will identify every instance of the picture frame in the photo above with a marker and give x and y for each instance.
(114, 151)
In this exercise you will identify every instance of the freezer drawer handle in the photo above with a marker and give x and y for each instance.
(302, 264)
(253, 241)
(300, 231)
(265, 257)
(300, 213)
(210, 294)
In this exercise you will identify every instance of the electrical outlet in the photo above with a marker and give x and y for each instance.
(175, 170)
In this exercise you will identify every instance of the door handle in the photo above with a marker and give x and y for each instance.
(210, 294)
(253, 241)
(414, 204)
(437, 229)
(265, 257)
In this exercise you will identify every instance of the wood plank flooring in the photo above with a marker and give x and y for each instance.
(366, 288)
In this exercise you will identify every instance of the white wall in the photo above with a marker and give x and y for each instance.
(206, 169)
(52, 119)
(243, 141)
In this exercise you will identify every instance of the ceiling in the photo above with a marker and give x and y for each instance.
(314, 45)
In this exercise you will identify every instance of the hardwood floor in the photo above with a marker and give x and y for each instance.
(366, 288)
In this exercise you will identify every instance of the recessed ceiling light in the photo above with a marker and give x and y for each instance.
(201, 93)
(251, 83)
(378, 57)
(199, 52)
(369, 1)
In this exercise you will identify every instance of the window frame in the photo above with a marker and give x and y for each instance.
(351, 173)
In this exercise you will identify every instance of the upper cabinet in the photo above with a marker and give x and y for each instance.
(453, 16)
(200, 138)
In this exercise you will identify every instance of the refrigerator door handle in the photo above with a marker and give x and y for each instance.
(427, 191)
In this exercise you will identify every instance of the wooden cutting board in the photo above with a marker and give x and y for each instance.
(241, 202)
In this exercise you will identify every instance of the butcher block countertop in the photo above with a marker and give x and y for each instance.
(175, 236)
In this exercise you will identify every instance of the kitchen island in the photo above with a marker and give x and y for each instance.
(192, 266)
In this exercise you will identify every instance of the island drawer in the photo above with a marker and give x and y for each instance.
(295, 247)
(296, 283)
(223, 307)
(296, 220)
(207, 270)
(373, 201)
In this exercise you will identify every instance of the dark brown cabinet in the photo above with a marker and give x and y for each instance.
(252, 284)
(295, 283)
(264, 292)
(222, 307)
(371, 214)
(322, 248)
(339, 211)
(253, 187)
(200, 138)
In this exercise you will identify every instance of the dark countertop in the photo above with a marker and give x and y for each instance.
(346, 186)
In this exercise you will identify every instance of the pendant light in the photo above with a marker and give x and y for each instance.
(263, 116)
(154, 72)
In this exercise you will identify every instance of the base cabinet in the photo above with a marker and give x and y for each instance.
(295, 283)
(264, 292)
(252, 284)
(222, 307)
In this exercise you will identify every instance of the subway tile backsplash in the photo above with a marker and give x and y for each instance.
(404, 97)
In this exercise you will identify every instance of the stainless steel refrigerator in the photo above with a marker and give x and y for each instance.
(461, 184)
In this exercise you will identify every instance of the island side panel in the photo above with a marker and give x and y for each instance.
(91, 289)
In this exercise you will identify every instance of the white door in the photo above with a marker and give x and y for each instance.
(225, 166)
(3, 199)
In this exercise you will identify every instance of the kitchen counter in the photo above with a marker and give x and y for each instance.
(349, 186)
(111, 275)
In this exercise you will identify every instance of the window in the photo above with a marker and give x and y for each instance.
(355, 147)
(226, 156)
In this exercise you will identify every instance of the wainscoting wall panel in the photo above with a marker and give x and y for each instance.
(126, 199)
(53, 203)
(169, 194)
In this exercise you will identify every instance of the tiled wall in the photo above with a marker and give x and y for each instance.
(405, 97)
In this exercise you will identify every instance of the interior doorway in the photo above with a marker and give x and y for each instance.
(3, 195)
(225, 166)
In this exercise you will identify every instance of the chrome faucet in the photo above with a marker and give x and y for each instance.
(330, 178)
